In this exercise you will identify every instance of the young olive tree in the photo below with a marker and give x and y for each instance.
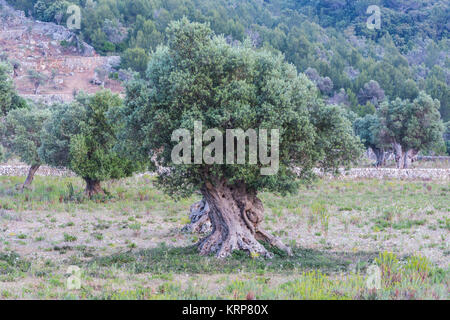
(198, 77)
(21, 135)
(80, 137)
(411, 126)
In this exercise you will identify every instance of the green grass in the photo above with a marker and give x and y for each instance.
(12, 266)
(165, 259)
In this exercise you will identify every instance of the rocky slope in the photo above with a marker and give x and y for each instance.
(50, 62)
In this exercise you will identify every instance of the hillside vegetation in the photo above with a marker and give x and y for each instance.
(329, 38)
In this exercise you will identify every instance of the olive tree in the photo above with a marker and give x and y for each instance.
(20, 125)
(368, 129)
(21, 135)
(80, 137)
(411, 126)
(199, 78)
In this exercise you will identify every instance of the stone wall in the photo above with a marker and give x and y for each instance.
(388, 173)
(355, 173)
(22, 171)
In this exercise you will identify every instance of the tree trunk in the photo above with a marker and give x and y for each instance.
(36, 88)
(30, 176)
(380, 154)
(413, 155)
(235, 214)
(399, 155)
(93, 187)
(408, 158)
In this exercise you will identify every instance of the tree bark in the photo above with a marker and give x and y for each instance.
(380, 155)
(36, 88)
(30, 176)
(399, 155)
(93, 187)
(413, 155)
(235, 214)
(409, 157)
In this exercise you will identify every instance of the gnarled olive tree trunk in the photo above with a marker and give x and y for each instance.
(93, 187)
(236, 215)
(30, 176)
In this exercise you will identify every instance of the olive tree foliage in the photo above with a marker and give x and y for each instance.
(9, 99)
(411, 126)
(135, 59)
(80, 137)
(198, 76)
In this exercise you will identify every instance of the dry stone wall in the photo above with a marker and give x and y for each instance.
(355, 173)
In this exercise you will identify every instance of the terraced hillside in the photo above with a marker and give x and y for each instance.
(50, 62)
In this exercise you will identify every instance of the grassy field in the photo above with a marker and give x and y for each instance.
(129, 245)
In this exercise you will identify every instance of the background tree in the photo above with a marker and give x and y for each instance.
(135, 59)
(368, 129)
(371, 92)
(21, 134)
(80, 137)
(200, 77)
(447, 136)
(8, 97)
(412, 126)
(38, 79)
(9, 100)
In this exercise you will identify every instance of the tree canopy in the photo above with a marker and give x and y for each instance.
(21, 134)
(413, 125)
(9, 99)
(79, 136)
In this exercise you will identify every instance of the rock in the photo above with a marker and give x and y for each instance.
(97, 82)
(125, 75)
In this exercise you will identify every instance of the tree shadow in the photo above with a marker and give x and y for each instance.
(166, 259)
